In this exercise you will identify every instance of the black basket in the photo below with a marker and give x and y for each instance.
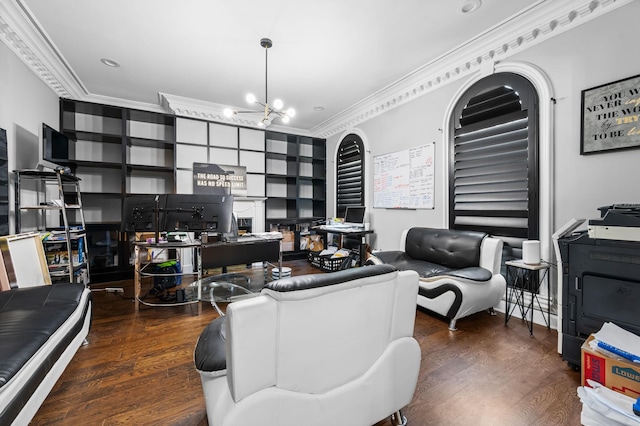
(329, 264)
(314, 258)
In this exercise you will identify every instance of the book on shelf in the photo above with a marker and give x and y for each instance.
(61, 235)
(58, 255)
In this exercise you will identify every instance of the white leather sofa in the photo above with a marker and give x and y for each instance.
(459, 270)
(323, 349)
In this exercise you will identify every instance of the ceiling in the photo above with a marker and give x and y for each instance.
(328, 57)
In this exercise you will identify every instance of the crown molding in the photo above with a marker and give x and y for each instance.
(541, 21)
(21, 32)
(545, 19)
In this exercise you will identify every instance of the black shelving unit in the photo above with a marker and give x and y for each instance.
(4, 184)
(112, 147)
(116, 151)
(295, 186)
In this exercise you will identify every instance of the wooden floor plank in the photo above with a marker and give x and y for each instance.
(138, 369)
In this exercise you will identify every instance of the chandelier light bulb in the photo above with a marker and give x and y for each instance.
(269, 111)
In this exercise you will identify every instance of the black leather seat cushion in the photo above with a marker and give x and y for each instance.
(426, 269)
(28, 318)
(210, 354)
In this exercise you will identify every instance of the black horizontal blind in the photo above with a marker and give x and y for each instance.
(494, 167)
(350, 174)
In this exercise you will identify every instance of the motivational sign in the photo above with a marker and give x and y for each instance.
(219, 179)
(611, 116)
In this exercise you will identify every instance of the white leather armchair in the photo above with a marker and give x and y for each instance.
(318, 349)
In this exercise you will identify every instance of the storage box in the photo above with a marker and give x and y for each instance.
(620, 375)
(145, 236)
(288, 238)
(311, 243)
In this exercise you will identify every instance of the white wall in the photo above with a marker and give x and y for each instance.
(25, 103)
(410, 125)
(595, 53)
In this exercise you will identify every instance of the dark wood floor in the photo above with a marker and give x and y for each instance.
(138, 369)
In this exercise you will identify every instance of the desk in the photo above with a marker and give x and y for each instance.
(230, 287)
(149, 254)
(346, 231)
(518, 274)
(243, 251)
(208, 255)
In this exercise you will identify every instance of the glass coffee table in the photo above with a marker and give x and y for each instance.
(226, 288)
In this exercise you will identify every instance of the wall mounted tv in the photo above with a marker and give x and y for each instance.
(55, 145)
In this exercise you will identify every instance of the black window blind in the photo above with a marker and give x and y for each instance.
(493, 160)
(350, 174)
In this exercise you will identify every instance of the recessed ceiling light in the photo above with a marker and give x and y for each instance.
(110, 62)
(471, 6)
(318, 108)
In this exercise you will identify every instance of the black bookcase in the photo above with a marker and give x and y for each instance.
(116, 151)
(295, 186)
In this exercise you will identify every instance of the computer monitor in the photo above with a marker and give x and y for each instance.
(354, 215)
(199, 213)
(53, 148)
(143, 213)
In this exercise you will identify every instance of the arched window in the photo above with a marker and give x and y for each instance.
(494, 161)
(350, 174)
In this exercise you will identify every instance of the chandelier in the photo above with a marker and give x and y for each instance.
(269, 112)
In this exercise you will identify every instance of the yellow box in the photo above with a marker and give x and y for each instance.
(620, 375)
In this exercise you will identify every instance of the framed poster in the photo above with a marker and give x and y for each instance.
(219, 179)
(611, 116)
(404, 179)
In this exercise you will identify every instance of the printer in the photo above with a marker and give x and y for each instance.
(617, 222)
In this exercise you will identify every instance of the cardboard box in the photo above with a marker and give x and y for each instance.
(288, 238)
(620, 375)
(144, 236)
(311, 243)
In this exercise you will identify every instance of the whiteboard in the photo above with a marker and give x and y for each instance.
(404, 179)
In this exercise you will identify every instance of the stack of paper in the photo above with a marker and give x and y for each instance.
(329, 250)
(341, 253)
(602, 406)
(618, 342)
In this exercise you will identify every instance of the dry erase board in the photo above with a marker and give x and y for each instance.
(404, 179)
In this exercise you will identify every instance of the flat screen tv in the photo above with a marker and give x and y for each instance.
(143, 213)
(199, 213)
(55, 146)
